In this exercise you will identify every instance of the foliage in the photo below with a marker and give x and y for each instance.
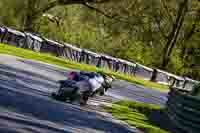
(196, 90)
(155, 33)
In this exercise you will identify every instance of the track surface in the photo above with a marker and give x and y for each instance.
(25, 105)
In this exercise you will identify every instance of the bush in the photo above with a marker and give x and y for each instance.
(196, 90)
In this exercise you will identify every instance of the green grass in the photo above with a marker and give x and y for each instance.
(136, 114)
(28, 54)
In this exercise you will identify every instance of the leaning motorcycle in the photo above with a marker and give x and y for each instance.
(69, 91)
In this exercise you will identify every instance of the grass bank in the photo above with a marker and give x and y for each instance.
(137, 114)
(47, 58)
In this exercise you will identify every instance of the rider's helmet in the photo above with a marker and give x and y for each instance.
(72, 75)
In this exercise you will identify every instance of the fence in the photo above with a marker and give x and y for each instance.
(67, 51)
(184, 111)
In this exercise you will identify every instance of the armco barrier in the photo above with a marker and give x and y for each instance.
(184, 111)
(40, 44)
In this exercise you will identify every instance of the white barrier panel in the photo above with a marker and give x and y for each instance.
(40, 44)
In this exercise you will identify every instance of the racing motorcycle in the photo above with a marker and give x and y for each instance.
(82, 87)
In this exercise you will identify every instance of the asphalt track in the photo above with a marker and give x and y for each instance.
(25, 105)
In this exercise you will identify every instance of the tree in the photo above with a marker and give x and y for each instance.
(36, 8)
(9, 11)
(176, 26)
(173, 35)
(157, 33)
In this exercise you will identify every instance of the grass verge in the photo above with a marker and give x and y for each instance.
(47, 58)
(137, 115)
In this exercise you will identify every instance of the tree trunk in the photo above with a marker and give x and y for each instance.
(30, 15)
(29, 24)
(173, 36)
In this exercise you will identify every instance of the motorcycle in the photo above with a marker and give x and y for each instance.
(81, 89)
(69, 91)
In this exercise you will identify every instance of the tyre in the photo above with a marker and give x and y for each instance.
(107, 88)
(102, 92)
(53, 95)
(84, 98)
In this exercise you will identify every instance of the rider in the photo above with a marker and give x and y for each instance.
(88, 82)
